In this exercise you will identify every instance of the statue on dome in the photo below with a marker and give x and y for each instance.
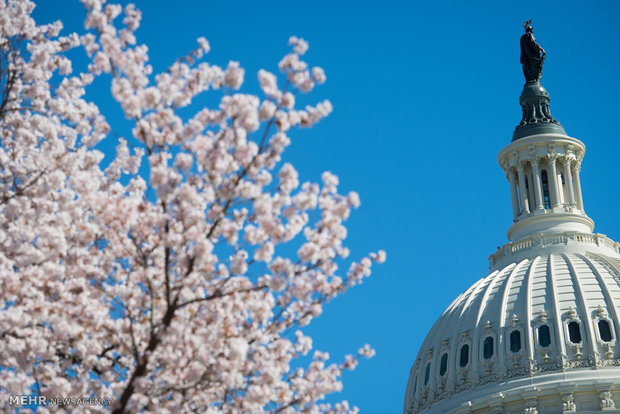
(532, 55)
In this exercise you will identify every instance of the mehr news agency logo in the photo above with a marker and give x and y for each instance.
(41, 401)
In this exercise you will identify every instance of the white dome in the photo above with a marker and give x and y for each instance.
(540, 328)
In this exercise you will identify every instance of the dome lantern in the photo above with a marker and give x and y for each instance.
(542, 165)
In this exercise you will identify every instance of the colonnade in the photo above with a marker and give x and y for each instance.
(544, 183)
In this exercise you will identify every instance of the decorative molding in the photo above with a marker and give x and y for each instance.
(568, 403)
(542, 316)
(579, 153)
(428, 398)
(531, 406)
(576, 348)
(607, 348)
(607, 403)
(510, 249)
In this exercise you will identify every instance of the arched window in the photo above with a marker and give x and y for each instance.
(545, 186)
(515, 341)
(427, 373)
(443, 366)
(544, 336)
(604, 330)
(574, 333)
(487, 348)
(464, 359)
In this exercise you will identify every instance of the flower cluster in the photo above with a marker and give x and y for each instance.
(181, 289)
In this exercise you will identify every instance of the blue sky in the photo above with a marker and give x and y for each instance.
(425, 96)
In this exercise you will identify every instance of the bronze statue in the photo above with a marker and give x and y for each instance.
(532, 55)
(534, 99)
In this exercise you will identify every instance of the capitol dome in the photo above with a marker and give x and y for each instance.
(539, 333)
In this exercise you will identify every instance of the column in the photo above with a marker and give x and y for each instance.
(522, 190)
(577, 185)
(568, 176)
(537, 185)
(553, 182)
(513, 192)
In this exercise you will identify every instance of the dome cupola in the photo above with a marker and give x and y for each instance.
(542, 163)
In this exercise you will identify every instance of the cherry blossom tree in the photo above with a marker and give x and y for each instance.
(178, 275)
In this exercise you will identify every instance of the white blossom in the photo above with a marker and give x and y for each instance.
(158, 266)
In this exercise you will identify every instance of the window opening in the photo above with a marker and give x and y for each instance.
(443, 367)
(574, 333)
(487, 351)
(605, 330)
(515, 341)
(544, 336)
(464, 355)
(545, 186)
(427, 373)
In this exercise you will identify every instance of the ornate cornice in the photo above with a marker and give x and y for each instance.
(532, 369)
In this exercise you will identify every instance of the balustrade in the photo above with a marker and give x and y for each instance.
(547, 240)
